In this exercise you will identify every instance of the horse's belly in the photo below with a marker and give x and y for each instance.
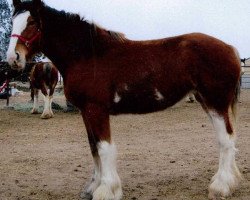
(144, 102)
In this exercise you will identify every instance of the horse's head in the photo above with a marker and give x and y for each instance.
(25, 36)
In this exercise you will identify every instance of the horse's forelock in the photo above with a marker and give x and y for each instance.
(26, 6)
(22, 7)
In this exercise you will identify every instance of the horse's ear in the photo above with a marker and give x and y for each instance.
(16, 2)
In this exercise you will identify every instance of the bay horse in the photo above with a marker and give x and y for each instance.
(104, 73)
(44, 77)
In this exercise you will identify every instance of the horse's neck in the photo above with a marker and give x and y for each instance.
(62, 44)
(63, 53)
(69, 41)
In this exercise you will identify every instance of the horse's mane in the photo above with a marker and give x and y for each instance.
(116, 35)
(63, 17)
(69, 19)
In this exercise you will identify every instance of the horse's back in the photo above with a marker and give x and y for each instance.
(147, 76)
(215, 67)
(163, 71)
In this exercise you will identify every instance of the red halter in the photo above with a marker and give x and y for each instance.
(26, 41)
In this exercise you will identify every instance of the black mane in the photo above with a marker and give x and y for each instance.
(62, 17)
(69, 19)
(74, 31)
(81, 37)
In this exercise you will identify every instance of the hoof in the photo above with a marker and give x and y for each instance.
(86, 196)
(223, 186)
(190, 101)
(34, 111)
(91, 187)
(104, 192)
(51, 114)
(46, 115)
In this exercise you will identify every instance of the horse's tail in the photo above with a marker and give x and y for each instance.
(235, 100)
(47, 68)
(237, 88)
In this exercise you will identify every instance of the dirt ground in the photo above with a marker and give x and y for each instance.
(169, 155)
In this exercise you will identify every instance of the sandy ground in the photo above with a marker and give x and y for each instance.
(168, 155)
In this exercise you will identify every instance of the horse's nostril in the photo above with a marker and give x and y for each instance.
(17, 56)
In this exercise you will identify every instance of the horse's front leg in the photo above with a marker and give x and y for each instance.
(35, 103)
(105, 183)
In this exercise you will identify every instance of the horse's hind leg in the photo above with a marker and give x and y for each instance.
(51, 92)
(228, 175)
(47, 104)
(105, 183)
(35, 103)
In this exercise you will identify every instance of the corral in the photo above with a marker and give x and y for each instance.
(165, 155)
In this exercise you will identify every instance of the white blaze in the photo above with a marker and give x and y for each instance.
(19, 24)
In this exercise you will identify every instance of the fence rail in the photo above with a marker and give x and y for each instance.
(7, 73)
(245, 78)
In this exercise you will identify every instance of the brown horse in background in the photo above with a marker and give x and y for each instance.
(44, 77)
(104, 73)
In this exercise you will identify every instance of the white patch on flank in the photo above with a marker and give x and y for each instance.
(117, 98)
(110, 187)
(228, 175)
(158, 95)
(19, 24)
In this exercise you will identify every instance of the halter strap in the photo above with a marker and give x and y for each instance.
(26, 41)
(4, 85)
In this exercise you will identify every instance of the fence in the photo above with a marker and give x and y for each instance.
(7, 73)
(245, 78)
